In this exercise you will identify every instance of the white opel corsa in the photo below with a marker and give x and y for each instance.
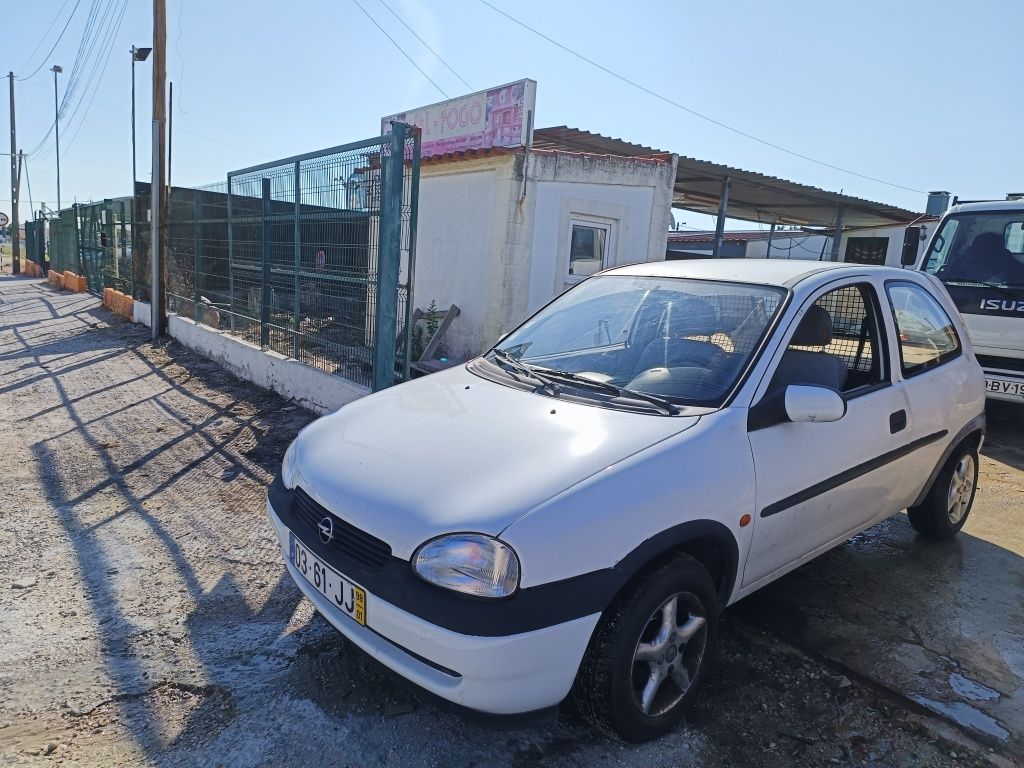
(567, 515)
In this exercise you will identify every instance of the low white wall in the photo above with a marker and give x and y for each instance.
(142, 313)
(320, 392)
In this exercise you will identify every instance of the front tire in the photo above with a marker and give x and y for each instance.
(945, 509)
(650, 652)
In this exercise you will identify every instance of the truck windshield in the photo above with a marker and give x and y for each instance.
(685, 341)
(985, 248)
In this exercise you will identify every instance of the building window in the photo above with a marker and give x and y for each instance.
(866, 250)
(588, 248)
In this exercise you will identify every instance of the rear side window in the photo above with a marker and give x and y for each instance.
(925, 332)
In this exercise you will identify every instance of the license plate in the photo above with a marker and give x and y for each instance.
(343, 594)
(1004, 387)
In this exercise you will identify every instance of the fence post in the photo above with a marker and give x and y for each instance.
(410, 272)
(389, 259)
(123, 260)
(195, 255)
(265, 272)
(231, 263)
(297, 257)
(78, 241)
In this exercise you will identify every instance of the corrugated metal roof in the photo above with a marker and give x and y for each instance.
(753, 196)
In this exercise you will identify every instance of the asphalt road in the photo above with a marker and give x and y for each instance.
(146, 619)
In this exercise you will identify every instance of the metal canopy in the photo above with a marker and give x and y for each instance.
(701, 186)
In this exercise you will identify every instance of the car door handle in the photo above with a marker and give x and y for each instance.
(897, 421)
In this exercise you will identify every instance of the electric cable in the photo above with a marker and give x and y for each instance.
(691, 111)
(400, 49)
(55, 44)
(426, 45)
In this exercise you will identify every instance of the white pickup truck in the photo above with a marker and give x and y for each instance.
(977, 251)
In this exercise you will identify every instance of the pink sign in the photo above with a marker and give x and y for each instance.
(492, 118)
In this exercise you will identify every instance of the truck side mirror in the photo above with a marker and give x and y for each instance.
(911, 243)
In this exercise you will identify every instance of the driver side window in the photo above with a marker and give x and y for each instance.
(838, 344)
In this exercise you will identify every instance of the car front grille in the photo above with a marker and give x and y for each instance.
(358, 544)
(1002, 363)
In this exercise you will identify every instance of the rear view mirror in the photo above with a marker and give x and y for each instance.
(813, 404)
(911, 244)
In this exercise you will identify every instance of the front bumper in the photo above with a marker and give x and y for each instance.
(501, 675)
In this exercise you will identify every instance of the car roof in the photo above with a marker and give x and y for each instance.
(780, 272)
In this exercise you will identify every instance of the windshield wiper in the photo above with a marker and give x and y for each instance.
(1004, 287)
(663, 405)
(517, 365)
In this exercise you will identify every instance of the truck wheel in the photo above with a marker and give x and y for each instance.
(945, 509)
(650, 652)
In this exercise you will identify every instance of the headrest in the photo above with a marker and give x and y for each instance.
(815, 330)
(690, 317)
(988, 241)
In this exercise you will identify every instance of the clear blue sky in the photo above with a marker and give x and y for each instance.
(924, 93)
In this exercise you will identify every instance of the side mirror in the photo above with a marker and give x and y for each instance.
(911, 244)
(807, 404)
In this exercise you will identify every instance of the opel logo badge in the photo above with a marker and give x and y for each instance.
(326, 529)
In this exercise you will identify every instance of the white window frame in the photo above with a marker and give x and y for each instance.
(590, 222)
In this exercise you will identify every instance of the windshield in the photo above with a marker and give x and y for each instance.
(984, 248)
(687, 341)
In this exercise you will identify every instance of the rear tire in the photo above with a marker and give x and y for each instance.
(650, 652)
(945, 509)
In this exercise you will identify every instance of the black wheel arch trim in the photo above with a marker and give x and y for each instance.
(977, 424)
(531, 608)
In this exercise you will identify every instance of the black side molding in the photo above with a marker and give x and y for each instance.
(850, 474)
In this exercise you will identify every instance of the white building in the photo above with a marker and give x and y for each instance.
(503, 231)
(881, 245)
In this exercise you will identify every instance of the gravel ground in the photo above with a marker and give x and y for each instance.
(147, 619)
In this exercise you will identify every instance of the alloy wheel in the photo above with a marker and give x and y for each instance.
(961, 488)
(668, 654)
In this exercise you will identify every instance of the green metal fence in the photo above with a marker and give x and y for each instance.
(310, 256)
(64, 253)
(94, 240)
(35, 241)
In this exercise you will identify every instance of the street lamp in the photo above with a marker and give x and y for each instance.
(138, 54)
(56, 69)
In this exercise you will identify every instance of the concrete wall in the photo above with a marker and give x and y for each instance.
(464, 208)
(632, 196)
(311, 388)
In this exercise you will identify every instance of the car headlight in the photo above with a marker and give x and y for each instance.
(289, 467)
(469, 562)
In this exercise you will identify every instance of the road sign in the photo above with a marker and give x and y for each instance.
(4, 221)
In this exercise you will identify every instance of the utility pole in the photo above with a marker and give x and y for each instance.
(158, 217)
(56, 125)
(15, 188)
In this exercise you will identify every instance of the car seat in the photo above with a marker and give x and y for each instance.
(801, 366)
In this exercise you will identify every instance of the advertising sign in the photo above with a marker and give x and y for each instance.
(493, 118)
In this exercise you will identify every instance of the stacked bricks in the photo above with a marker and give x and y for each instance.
(118, 302)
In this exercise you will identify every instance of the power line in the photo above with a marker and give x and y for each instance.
(56, 43)
(400, 49)
(100, 41)
(693, 112)
(110, 48)
(45, 35)
(426, 44)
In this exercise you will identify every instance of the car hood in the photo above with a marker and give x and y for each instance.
(454, 452)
